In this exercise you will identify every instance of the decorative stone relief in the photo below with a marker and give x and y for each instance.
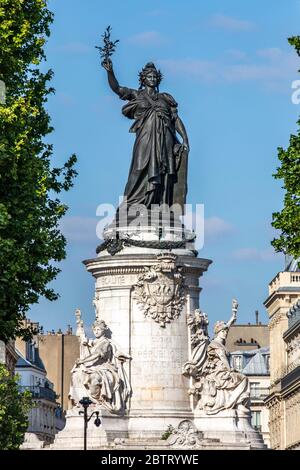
(160, 290)
(185, 436)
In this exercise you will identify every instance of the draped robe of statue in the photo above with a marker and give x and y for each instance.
(102, 378)
(156, 174)
(221, 387)
(217, 386)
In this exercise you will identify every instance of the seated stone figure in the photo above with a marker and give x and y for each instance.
(218, 387)
(99, 372)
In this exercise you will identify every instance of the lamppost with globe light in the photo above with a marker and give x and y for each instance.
(86, 402)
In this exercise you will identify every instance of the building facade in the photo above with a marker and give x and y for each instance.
(255, 365)
(8, 355)
(46, 417)
(248, 336)
(58, 352)
(283, 401)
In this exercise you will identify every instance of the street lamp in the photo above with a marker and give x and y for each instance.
(86, 402)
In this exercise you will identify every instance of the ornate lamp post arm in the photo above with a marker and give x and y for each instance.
(86, 402)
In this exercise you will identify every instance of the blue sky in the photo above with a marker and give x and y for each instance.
(230, 68)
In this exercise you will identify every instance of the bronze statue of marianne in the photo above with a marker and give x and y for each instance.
(158, 171)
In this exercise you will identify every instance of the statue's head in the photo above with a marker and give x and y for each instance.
(99, 328)
(150, 76)
(221, 329)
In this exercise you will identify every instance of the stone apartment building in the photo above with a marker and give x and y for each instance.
(45, 418)
(250, 354)
(255, 365)
(59, 352)
(246, 337)
(8, 355)
(283, 402)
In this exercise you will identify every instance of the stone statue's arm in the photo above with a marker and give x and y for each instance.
(179, 126)
(231, 321)
(233, 315)
(92, 357)
(98, 353)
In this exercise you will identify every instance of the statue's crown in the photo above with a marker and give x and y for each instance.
(219, 325)
(149, 66)
(100, 323)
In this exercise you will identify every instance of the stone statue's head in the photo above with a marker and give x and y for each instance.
(99, 328)
(220, 326)
(150, 72)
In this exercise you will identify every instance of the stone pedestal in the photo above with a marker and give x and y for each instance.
(229, 427)
(72, 436)
(134, 304)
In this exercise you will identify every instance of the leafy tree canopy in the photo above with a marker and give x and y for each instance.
(30, 239)
(14, 407)
(288, 220)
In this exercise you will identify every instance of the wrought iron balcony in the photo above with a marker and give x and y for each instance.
(40, 392)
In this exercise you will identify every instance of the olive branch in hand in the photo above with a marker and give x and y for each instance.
(109, 46)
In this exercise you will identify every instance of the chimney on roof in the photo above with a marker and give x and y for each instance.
(69, 330)
(256, 316)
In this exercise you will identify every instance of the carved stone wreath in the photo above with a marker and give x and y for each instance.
(160, 290)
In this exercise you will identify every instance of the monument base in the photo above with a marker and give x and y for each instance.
(221, 432)
(147, 286)
(229, 426)
(71, 437)
(33, 441)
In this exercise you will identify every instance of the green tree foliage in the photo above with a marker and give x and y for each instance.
(30, 239)
(14, 407)
(288, 220)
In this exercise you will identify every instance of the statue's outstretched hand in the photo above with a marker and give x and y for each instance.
(107, 64)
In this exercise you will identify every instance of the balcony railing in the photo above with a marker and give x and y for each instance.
(259, 393)
(41, 392)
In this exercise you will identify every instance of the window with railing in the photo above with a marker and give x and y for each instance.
(257, 392)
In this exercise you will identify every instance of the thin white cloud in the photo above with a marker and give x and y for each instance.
(269, 66)
(250, 72)
(212, 283)
(254, 254)
(236, 54)
(65, 99)
(206, 229)
(156, 12)
(216, 226)
(148, 38)
(76, 228)
(272, 53)
(202, 69)
(230, 23)
(74, 48)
